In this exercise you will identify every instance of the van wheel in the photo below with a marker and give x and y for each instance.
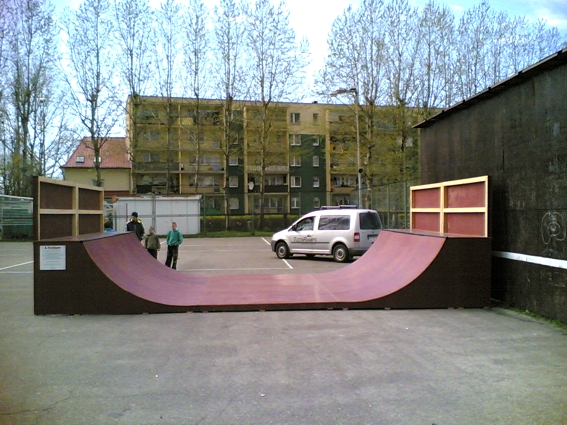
(340, 253)
(282, 251)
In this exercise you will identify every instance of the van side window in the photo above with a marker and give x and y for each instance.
(334, 222)
(306, 224)
(369, 220)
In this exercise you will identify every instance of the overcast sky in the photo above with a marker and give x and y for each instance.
(313, 18)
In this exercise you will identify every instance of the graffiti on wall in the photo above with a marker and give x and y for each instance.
(553, 230)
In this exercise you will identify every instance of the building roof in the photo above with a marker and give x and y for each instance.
(550, 62)
(114, 154)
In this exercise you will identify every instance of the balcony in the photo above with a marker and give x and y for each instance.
(160, 167)
(280, 188)
(270, 169)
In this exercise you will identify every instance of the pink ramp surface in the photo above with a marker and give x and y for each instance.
(394, 261)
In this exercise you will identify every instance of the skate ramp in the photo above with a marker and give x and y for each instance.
(104, 275)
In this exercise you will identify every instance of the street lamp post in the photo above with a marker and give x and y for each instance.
(354, 91)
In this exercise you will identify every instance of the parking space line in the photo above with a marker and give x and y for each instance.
(16, 265)
(289, 265)
(240, 269)
(223, 250)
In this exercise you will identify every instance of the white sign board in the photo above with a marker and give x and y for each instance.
(52, 257)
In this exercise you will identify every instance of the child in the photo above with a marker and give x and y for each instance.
(151, 242)
(174, 239)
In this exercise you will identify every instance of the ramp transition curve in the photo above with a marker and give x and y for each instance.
(401, 270)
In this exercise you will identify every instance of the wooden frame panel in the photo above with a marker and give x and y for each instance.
(66, 209)
(462, 207)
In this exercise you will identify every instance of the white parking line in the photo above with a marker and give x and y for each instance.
(212, 249)
(16, 265)
(268, 242)
(289, 265)
(252, 268)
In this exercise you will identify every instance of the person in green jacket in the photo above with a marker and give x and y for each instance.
(174, 239)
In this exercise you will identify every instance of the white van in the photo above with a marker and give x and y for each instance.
(342, 231)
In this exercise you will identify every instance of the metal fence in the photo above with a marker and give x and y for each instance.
(279, 210)
(16, 217)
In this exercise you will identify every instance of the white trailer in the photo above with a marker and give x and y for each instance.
(159, 212)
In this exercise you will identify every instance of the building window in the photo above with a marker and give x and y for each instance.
(234, 203)
(233, 161)
(315, 181)
(295, 161)
(295, 181)
(150, 157)
(315, 118)
(315, 161)
(81, 159)
(316, 203)
(275, 180)
(294, 117)
(275, 203)
(233, 181)
(294, 203)
(208, 181)
(295, 139)
(316, 141)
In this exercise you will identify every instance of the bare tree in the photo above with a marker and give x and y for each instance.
(435, 59)
(168, 45)
(473, 50)
(276, 65)
(31, 59)
(89, 73)
(134, 34)
(5, 27)
(196, 45)
(230, 84)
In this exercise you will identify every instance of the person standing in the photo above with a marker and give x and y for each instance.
(135, 225)
(151, 242)
(174, 239)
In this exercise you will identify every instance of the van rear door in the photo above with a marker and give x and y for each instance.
(370, 226)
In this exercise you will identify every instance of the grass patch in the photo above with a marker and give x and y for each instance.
(557, 323)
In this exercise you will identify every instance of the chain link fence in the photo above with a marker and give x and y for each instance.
(279, 210)
(16, 218)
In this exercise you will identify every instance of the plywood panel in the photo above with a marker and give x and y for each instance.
(465, 196)
(465, 224)
(426, 221)
(427, 198)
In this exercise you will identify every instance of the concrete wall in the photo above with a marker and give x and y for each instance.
(519, 138)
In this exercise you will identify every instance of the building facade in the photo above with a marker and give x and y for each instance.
(247, 157)
(115, 166)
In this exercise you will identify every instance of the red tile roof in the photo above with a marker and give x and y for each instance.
(114, 154)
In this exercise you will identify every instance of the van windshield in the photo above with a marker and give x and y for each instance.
(370, 220)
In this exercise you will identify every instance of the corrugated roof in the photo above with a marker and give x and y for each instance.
(114, 154)
(550, 62)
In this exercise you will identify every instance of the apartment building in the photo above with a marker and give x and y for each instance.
(244, 157)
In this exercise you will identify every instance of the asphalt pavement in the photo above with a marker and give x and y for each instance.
(453, 367)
